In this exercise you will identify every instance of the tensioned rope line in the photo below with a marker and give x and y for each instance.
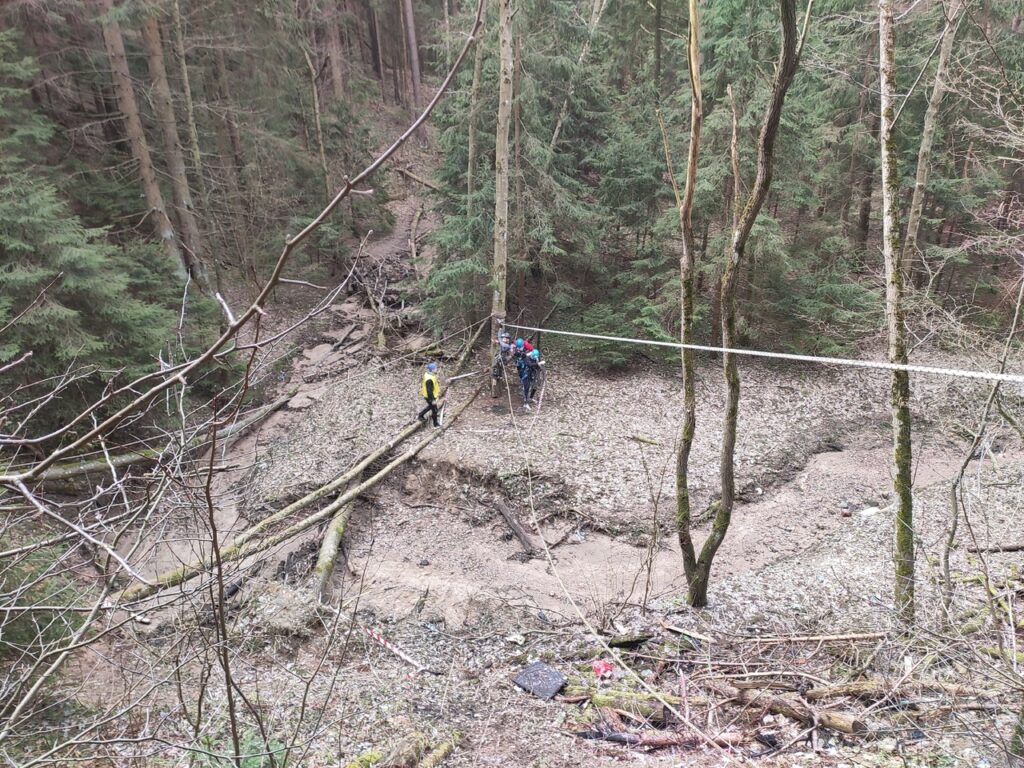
(850, 362)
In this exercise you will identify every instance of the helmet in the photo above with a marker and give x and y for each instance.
(520, 343)
(535, 354)
(432, 367)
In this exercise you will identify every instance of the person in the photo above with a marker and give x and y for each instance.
(529, 374)
(430, 389)
(505, 354)
(523, 347)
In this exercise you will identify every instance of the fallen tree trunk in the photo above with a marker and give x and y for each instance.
(517, 527)
(663, 739)
(329, 548)
(407, 752)
(999, 548)
(332, 539)
(419, 179)
(72, 469)
(238, 551)
(795, 709)
(441, 751)
(881, 689)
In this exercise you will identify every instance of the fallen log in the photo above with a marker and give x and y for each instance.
(881, 689)
(997, 548)
(794, 709)
(412, 235)
(818, 638)
(237, 551)
(72, 469)
(329, 550)
(663, 739)
(366, 760)
(419, 179)
(441, 751)
(517, 527)
(407, 752)
(332, 540)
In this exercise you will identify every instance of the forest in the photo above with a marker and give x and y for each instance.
(753, 497)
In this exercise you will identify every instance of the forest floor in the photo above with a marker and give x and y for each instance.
(431, 563)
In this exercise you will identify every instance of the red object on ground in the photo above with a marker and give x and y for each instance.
(602, 668)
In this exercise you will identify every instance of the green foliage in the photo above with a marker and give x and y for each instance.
(70, 297)
(599, 239)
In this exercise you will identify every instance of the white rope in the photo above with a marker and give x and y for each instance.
(878, 365)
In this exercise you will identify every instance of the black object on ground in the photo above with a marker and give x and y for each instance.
(540, 679)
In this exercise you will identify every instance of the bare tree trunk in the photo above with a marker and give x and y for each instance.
(657, 49)
(687, 263)
(175, 157)
(121, 77)
(220, 70)
(911, 252)
(414, 54)
(474, 104)
(855, 149)
(867, 191)
(595, 18)
(785, 69)
(447, 35)
(520, 225)
(894, 288)
(335, 58)
(193, 130)
(319, 130)
(378, 50)
(499, 273)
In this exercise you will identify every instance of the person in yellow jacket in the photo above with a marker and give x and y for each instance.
(430, 389)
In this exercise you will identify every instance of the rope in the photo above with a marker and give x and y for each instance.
(850, 362)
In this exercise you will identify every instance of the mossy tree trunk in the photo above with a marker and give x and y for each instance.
(687, 269)
(894, 315)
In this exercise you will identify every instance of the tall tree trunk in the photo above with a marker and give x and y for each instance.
(517, 117)
(911, 252)
(596, 12)
(499, 273)
(329, 189)
(175, 157)
(855, 149)
(867, 192)
(335, 57)
(126, 102)
(687, 268)
(474, 105)
(193, 130)
(414, 54)
(785, 69)
(894, 289)
(377, 47)
(657, 49)
(220, 70)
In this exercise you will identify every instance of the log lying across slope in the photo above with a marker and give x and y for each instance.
(247, 542)
(72, 469)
